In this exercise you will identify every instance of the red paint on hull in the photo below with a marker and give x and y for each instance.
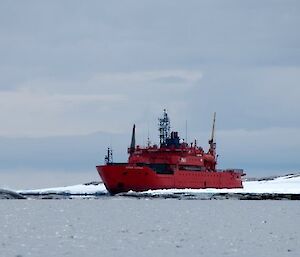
(123, 178)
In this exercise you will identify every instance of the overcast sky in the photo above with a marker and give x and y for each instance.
(75, 68)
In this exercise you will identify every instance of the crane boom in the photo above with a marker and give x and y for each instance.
(212, 144)
(213, 128)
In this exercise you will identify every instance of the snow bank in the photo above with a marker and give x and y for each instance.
(289, 184)
(84, 189)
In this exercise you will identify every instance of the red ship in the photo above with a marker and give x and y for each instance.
(173, 164)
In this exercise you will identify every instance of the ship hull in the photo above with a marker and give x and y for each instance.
(126, 177)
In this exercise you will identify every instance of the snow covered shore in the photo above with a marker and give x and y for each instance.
(289, 184)
(83, 189)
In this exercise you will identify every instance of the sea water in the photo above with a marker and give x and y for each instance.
(116, 226)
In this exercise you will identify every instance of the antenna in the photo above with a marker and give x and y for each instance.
(148, 136)
(164, 128)
(109, 157)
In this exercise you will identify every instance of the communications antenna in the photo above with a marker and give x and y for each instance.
(164, 128)
(109, 157)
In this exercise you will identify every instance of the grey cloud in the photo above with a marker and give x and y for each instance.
(249, 98)
(59, 60)
(71, 39)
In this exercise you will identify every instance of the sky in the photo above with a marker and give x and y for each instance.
(76, 75)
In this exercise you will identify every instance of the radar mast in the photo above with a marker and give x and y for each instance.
(164, 128)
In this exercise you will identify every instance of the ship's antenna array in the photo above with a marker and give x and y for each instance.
(164, 128)
(109, 157)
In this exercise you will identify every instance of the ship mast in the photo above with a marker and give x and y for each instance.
(212, 144)
(164, 128)
(109, 157)
(132, 144)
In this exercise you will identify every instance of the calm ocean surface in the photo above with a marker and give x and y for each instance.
(143, 227)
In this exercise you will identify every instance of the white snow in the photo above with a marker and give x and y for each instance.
(289, 184)
(76, 189)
